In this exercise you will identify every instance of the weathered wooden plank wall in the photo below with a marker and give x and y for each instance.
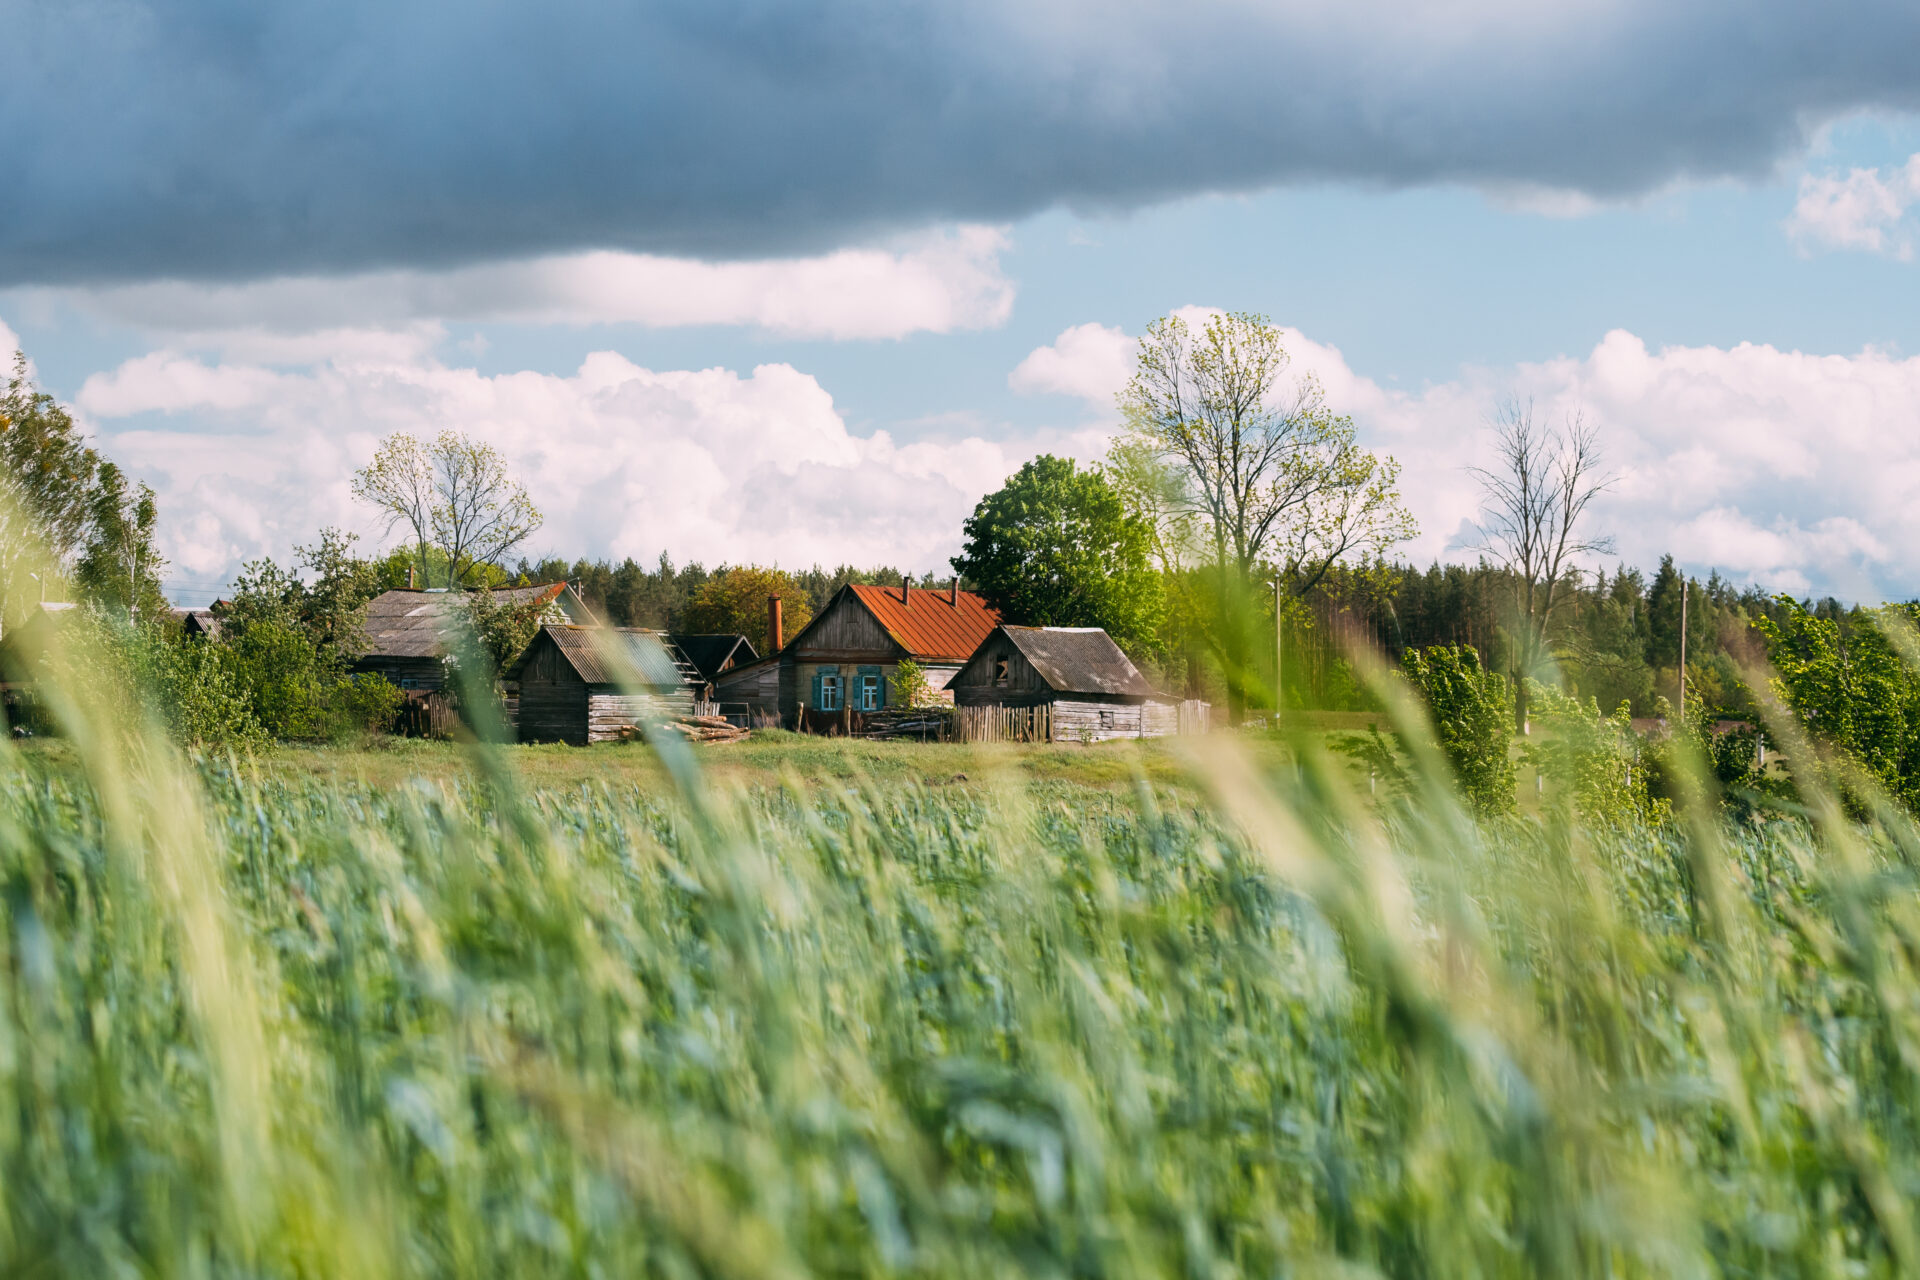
(608, 715)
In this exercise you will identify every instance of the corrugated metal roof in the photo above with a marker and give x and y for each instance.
(419, 624)
(1081, 660)
(928, 626)
(631, 657)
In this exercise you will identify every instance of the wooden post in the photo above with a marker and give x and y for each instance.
(1682, 718)
(1279, 653)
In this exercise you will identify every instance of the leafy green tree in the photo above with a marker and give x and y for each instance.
(46, 483)
(910, 687)
(1239, 469)
(1472, 713)
(734, 602)
(1844, 677)
(119, 567)
(456, 497)
(505, 630)
(1595, 762)
(1055, 546)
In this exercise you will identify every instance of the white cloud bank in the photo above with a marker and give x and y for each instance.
(622, 460)
(1789, 470)
(936, 282)
(1867, 210)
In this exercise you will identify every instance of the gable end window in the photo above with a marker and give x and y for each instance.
(999, 673)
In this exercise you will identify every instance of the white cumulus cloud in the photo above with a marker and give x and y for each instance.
(710, 464)
(1787, 469)
(1867, 210)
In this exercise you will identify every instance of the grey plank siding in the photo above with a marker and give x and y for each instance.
(609, 714)
(1096, 721)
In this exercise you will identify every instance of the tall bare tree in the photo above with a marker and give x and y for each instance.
(1532, 504)
(456, 496)
(1254, 468)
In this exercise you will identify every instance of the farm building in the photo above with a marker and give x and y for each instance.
(713, 654)
(749, 690)
(410, 633)
(1091, 690)
(588, 684)
(199, 624)
(24, 649)
(844, 659)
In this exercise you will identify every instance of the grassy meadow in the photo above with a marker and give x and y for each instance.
(798, 1007)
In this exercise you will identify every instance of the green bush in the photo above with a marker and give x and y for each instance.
(1472, 713)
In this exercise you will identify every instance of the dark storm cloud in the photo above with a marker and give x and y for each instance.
(232, 138)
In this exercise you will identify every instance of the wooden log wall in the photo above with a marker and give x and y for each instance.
(608, 714)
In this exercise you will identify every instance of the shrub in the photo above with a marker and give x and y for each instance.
(1472, 711)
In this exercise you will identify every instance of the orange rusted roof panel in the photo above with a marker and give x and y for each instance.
(929, 626)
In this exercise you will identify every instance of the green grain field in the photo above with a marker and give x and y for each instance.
(839, 1009)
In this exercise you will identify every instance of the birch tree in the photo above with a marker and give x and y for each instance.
(1254, 469)
(47, 476)
(1534, 500)
(454, 496)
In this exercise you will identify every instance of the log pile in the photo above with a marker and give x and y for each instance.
(691, 729)
(924, 724)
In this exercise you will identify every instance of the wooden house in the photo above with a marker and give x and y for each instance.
(846, 657)
(711, 655)
(26, 649)
(410, 633)
(589, 684)
(1091, 690)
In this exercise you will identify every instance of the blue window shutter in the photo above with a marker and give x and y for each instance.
(815, 703)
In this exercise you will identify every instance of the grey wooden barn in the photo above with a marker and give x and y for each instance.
(593, 684)
(410, 633)
(1092, 690)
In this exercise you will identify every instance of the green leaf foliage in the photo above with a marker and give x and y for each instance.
(1472, 711)
(1844, 676)
(1055, 547)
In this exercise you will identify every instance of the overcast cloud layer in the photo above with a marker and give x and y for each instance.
(211, 140)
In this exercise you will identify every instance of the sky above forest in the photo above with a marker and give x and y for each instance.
(799, 282)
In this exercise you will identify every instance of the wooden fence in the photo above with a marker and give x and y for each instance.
(1196, 716)
(1003, 724)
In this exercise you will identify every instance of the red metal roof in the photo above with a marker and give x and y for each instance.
(928, 627)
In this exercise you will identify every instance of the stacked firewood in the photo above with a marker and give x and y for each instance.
(692, 729)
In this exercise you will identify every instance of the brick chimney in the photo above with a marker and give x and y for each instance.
(409, 577)
(775, 633)
(953, 593)
(906, 585)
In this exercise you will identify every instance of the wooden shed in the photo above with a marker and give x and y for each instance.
(712, 655)
(591, 684)
(410, 633)
(1091, 690)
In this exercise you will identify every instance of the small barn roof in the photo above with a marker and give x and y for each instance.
(419, 624)
(931, 625)
(711, 654)
(616, 655)
(1080, 660)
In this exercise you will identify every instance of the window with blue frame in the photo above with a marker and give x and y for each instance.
(870, 690)
(826, 689)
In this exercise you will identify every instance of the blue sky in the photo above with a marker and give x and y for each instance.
(770, 303)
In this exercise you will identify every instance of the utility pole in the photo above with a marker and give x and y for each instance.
(1683, 649)
(1279, 650)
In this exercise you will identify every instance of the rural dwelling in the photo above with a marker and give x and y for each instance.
(748, 691)
(588, 684)
(713, 654)
(1090, 689)
(24, 649)
(410, 633)
(843, 660)
(199, 624)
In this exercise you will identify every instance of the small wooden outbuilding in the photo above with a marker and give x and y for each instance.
(593, 684)
(1091, 690)
(410, 633)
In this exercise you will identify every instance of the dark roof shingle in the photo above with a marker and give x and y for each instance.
(626, 656)
(419, 624)
(1080, 660)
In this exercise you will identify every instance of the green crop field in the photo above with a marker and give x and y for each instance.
(794, 1008)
